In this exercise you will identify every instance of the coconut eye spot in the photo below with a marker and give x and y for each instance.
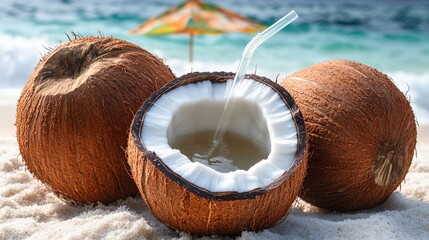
(71, 66)
(259, 146)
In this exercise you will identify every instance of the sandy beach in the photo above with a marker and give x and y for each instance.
(391, 36)
(29, 210)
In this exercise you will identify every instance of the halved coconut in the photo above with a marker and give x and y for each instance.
(195, 197)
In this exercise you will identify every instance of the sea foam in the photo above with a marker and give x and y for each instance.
(18, 58)
(416, 89)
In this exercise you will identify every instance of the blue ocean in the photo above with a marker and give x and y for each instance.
(390, 35)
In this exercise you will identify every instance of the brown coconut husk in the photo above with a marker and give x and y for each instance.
(74, 114)
(187, 207)
(361, 130)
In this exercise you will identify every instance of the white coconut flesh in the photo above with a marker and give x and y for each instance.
(259, 115)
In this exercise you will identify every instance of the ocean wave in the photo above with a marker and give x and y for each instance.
(416, 89)
(18, 57)
(181, 67)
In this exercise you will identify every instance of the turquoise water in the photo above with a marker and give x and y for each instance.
(392, 36)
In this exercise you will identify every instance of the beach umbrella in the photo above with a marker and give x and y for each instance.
(194, 17)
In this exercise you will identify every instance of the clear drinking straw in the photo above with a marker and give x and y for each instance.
(242, 68)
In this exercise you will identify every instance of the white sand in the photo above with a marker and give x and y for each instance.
(28, 210)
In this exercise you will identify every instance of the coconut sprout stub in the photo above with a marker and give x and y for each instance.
(205, 192)
(361, 131)
(74, 114)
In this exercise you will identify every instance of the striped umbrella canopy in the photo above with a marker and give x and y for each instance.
(196, 17)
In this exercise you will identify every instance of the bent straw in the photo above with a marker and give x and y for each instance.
(248, 51)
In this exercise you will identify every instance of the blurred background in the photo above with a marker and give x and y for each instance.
(390, 35)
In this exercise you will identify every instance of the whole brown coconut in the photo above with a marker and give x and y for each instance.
(194, 198)
(361, 130)
(74, 114)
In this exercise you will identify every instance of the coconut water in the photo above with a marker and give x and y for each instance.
(248, 51)
(232, 153)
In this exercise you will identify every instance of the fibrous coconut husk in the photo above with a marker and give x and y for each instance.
(74, 114)
(361, 130)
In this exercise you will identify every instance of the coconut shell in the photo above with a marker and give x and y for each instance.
(74, 114)
(187, 207)
(361, 131)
